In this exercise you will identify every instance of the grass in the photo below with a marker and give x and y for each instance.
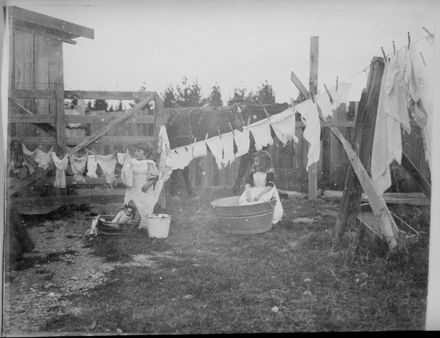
(286, 280)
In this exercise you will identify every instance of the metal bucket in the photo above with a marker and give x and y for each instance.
(243, 219)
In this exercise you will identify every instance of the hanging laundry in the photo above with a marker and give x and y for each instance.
(28, 152)
(395, 95)
(261, 132)
(284, 126)
(312, 131)
(78, 164)
(216, 147)
(107, 163)
(164, 150)
(323, 100)
(121, 158)
(42, 158)
(199, 149)
(61, 167)
(242, 141)
(387, 142)
(413, 78)
(179, 157)
(228, 148)
(340, 96)
(92, 165)
(423, 62)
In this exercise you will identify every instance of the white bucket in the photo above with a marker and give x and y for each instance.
(158, 225)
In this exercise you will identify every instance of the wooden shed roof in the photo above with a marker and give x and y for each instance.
(64, 29)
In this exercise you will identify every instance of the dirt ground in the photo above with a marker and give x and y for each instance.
(201, 280)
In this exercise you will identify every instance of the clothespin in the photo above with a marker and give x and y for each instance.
(423, 58)
(328, 93)
(248, 121)
(230, 126)
(394, 48)
(206, 137)
(384, 55)
(337, 82)
(267, 114)
(427, 31)
(409, 40)
(219, 134)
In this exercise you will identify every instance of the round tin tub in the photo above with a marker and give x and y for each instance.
(243, 219)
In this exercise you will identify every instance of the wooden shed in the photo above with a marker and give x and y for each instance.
(36, 79)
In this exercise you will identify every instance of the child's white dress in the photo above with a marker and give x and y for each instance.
(259, 181)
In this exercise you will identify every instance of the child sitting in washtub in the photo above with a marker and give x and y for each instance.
(260, 185)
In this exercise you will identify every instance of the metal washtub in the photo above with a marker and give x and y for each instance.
(243, 219)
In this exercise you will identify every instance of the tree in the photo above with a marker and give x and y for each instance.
(265, 94)
(89, 106)
(239, 96)
(170, 98)
(100, 104)
(215, 98)
(188, 95)
(120, 108)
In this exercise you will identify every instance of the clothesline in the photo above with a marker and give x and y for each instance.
(389, 54)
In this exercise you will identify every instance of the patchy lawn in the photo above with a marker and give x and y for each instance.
(200, 280)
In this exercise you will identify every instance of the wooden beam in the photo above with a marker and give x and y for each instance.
(37, 118)
(39, 173)
(20, 14)
(411, 198)
(33, 93)
(136, 118)
(313, 89)
(46, 127)
(299, 85)
(412, 169)
(388, 227)
(105, 95)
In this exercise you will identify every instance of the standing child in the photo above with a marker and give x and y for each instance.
(260, 185)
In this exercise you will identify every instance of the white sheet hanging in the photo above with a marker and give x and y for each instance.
(216, 147)
(261, 132)
(228, 148)
(242, 141)
(312, 131)
(284, 126)
(78, 165)
(179, 157)
(92, 165)
(61, 167)
(107, 163)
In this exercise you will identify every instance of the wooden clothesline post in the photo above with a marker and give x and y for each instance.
(313, 89)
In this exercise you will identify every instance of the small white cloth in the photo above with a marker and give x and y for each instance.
(284, 126)
(163, 146)
(242, 141)
(199, 149)
(42, 158)
(92, 165)
(107, 163)
(261, 132)
(215, 145)
(179, 157)
(228, 148)
(61, 167)
(121, 158)
(28, 152)
(78, 165)
(312, 131)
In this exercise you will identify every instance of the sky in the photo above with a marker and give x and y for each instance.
(232, 44)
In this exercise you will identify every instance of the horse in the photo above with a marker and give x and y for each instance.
(195, 124)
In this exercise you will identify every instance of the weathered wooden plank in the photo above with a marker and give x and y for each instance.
(297, 82)
(313, 89)
(32, 119)
(33, 93)
(106, 95)
(412, 198)
(389, 228)
(72, 141)
(136, 118)
(412, 169)
(20, 14)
